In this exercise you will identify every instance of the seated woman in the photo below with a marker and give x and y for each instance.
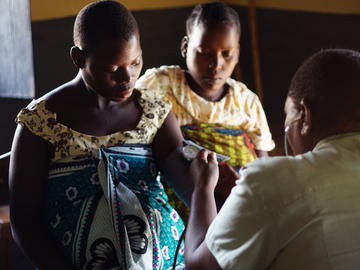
(85, 159)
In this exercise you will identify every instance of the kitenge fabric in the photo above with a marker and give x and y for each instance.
(65, 141)
(239, 107)
(223, 139)
(111, 211)
(92, 231)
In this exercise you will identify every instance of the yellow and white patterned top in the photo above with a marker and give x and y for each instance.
(240, 107)
(68, 142)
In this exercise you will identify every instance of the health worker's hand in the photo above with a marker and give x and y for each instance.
(204, 170)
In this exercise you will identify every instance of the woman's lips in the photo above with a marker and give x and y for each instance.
(212, 79)
(122, 94)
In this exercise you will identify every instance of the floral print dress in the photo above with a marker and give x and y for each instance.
(105, 206)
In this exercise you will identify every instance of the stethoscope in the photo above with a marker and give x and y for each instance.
(286, 131)
(286, 140)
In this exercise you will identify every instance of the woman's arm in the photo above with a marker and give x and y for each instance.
(167, 146)
(168, 154)
(167, 140)
(27, 181)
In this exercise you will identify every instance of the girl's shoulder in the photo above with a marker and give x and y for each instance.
(36, 111)
(160, 77)
(164, 70)
(40, 115)
(239, 90)
(37, 118)
(152, 101)
(43, 109)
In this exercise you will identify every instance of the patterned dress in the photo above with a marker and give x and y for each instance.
(105, 207)
(234, 126)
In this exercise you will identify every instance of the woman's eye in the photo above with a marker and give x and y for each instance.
(137, 62)
(226, 54)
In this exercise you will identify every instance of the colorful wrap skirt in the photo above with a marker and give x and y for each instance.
(111, 211)
(222, 139)
(226, 140)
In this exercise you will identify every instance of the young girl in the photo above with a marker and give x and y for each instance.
(213, 110)
(84, 193)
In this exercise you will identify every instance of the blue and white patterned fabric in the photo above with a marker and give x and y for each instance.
(117, 213)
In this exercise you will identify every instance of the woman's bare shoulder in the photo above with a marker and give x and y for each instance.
(63, 96)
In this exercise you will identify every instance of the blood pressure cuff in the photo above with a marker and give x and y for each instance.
(176, 175)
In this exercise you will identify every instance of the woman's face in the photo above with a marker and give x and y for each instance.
(112, 68)
(211, 51)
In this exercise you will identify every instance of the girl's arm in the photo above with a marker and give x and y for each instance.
(27, 181)
(168, 154)
(167, 140)
(167, 147)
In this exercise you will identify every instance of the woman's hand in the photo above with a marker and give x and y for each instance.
(204, 171)
(227, 178)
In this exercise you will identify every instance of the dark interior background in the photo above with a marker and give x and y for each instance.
(286, 38)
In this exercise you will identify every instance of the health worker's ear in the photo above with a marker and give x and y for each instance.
(306, 118)
(78, 56)
(238, 54)
(184, 46)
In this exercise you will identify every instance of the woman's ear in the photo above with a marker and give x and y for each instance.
(184, 46)
(306, 118)
(78, 57)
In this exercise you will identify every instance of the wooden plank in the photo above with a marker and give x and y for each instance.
(255, 51)
(4, 181)
(5, 222)
(5, 239)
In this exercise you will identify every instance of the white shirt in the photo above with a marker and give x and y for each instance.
(299, 212)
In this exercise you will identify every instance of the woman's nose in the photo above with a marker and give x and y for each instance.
(216, 62)
(122, 75)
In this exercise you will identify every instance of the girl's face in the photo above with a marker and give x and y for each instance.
(112, 68)
(211, 51)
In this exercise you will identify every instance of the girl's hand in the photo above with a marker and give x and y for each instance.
(204, 170)
(227, 178)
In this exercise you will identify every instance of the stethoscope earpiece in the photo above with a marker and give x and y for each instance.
(286, 150)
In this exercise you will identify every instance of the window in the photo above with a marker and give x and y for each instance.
(16, 59)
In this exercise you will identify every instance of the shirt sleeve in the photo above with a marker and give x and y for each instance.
(240, 235)
(156, 109)
(154, 79)
(260, 135)
(38, 120)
